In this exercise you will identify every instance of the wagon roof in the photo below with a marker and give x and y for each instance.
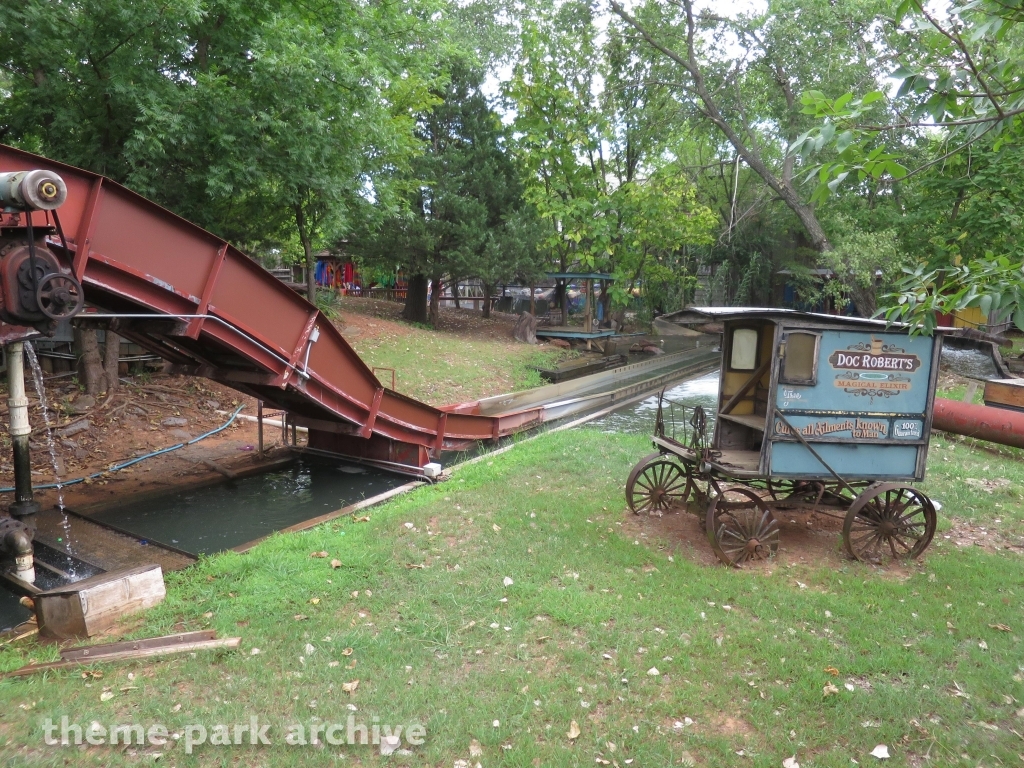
(704, 314)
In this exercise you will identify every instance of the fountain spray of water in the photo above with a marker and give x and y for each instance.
(37, 378)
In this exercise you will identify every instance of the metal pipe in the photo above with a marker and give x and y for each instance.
(32, 190)
(24, 504)
(997, 425)
(19, 544)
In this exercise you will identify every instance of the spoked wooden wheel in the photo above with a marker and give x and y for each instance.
(656, 485)
(889, 521)
(740, 527)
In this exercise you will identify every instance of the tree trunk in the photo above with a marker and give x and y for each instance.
(750, 153)
(455, 292)
(435, 301)
(533, 301)
(487, 300)
(416, 300)
(90, 368)
(111, 353)
(309, 258)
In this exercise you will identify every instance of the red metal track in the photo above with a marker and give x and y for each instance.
(217, 313)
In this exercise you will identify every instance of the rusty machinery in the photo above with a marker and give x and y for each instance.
(36, 291)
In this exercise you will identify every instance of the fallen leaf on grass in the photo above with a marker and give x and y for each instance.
(334, 664)
(350, 688)
(1000, 627)
(318, 554)
(496, 527)
(832, 671)
(363, 519)
(335, 563)
(508, 582)
(106, 696)
(254, 652)
(829, 689)
(415, 566)
(983, 645)
(94, 674)
(653, 672)
(389, 744)
(881, 752)
(475, 749)
(301, 617)
(574, 731)
(347, 652)
(790, 762)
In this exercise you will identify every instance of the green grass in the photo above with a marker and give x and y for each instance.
(443, 368)
(590, 612)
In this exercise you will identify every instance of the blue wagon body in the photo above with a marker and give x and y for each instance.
(816, 412)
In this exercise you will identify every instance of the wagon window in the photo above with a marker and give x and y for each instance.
(744, 349)
(799, 366)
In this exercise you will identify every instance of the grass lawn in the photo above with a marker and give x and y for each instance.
(465, 359)
(658, 660)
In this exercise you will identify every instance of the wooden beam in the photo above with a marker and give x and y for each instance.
(142, 653)
(741, 393)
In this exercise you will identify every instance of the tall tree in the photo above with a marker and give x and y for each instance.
(464, 215)
(752, 96)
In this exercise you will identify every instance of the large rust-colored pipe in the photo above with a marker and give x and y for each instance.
(997, 425)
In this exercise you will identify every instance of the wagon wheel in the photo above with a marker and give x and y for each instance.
(889, 518)
(740, 527)
(657, 484)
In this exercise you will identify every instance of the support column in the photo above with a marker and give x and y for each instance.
(259, 428)
(24, 503)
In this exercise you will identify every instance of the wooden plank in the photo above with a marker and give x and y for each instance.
(94, 605)
(219, 469)
(1006, 393)
(752, 420)
(93, 652)
(143, 653)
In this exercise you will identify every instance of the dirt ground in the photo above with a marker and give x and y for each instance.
(146, 414)
(805, 539)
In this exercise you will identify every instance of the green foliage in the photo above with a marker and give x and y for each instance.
(463, 212)
(591, 131)
(254, 119)
(329, 304)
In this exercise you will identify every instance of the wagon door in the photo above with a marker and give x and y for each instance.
(860, 399)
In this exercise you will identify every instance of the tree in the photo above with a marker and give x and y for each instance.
(598, 141)
(464, 214)
(266, 121)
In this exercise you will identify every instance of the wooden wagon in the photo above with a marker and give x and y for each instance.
(818, 413)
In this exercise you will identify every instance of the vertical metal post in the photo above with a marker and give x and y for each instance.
(295, 433)
(284, 427)
(24, 503)
(259, 426)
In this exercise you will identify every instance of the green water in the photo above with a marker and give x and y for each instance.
(214, 518)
